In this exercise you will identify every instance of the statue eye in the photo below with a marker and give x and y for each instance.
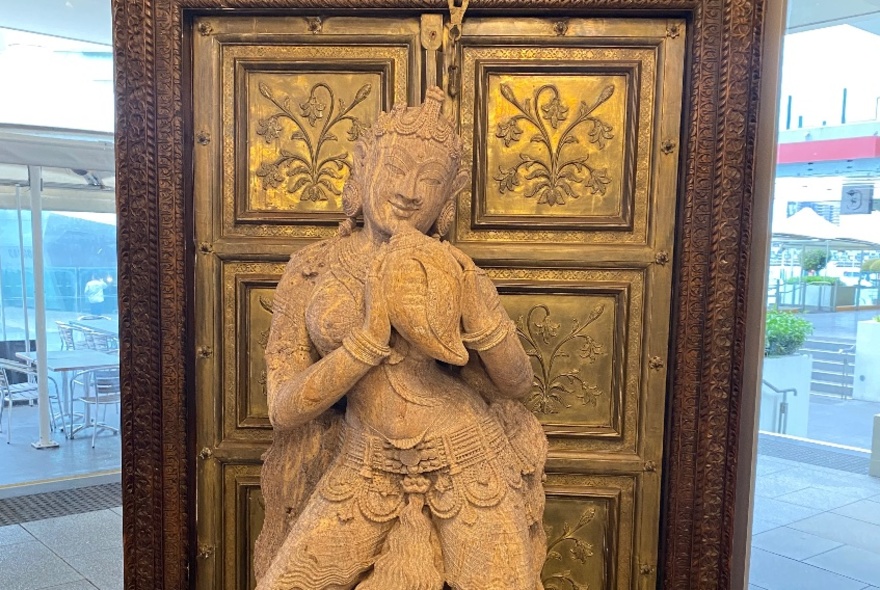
(431, 181)
(394, 169)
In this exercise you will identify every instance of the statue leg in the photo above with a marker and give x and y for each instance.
(330, 547)
(492, 550)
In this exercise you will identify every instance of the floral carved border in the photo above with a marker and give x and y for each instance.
(712, 262)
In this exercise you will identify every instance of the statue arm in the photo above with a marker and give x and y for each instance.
(506, 362)
(499, 346)
(300, 384)
(508, 366)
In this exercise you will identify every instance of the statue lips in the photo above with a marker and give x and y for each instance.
(424, 296)
(404, 208)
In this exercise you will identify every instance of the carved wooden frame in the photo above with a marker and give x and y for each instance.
(712, 258)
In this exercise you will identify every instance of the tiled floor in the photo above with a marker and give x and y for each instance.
(814, 528)
(72, 459)
(76, 552)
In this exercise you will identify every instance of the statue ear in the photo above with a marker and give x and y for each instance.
(461, 180)
(359, 153)
(352, 192)
(445, 219)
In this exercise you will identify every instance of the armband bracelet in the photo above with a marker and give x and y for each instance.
(486, 339)
(363, 349)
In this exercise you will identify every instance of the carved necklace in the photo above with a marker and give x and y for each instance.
(356, 259)
(399, 387)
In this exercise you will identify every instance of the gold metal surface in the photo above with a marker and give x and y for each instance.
(555, 145)
(571, 211)
(247, 302)
(586, 173)
(300, 132)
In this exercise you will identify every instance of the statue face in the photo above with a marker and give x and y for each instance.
(408, 187)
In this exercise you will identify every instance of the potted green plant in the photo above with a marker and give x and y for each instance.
(787, 374)
(785, 333)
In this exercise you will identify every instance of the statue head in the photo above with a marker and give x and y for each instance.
(407, 170)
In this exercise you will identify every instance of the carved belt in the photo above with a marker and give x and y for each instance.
(454, 451)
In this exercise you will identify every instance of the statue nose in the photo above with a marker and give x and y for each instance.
(409, 199)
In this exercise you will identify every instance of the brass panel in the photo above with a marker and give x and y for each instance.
(563, 131)
(583, 330)
(248, 288)
(243, 511)
(590, 531)
(553, 152)
(279, 102)
(289, 120)
(299, 138)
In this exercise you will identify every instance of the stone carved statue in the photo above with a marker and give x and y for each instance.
(403, 458)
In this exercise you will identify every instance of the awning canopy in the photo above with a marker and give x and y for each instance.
(808, 228)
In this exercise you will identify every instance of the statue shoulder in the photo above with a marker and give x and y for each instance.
(310, 261)
(305, 265)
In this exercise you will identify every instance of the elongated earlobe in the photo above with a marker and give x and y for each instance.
(445, 219)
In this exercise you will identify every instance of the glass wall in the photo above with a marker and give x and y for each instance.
(816, 522)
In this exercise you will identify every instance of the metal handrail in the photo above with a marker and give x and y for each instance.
(844, 385)
(782, 419)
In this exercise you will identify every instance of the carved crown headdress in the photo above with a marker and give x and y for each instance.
(424, 122)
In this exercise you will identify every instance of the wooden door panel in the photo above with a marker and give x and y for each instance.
(562, 131)
(589, 533)
(572, 127)
(583, 331)
(290, 106)
(242, 508)
(246, 301)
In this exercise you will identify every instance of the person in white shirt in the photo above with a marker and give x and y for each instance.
(94, 292)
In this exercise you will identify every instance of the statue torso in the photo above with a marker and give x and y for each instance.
(409, 396)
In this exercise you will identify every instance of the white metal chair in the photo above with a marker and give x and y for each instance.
(102, 389)
(11, 393)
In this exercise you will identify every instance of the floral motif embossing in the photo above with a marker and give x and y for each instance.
(552, 388)
(578, 549)
(309, 172)
(553, 176)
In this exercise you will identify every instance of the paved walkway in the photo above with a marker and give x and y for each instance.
(814, 528)
(75, 552)
(839, 324)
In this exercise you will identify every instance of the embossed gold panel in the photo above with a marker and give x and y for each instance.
(248, 289)
(554, 147)
(300, 130)
(583, 332)
(563, 132)
(572, 127)
(291, 103)
(589, 523)
(242, 508)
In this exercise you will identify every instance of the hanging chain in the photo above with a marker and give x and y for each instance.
(457, 8)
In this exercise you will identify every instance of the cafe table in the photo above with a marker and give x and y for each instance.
(68, 362)
(109, 327)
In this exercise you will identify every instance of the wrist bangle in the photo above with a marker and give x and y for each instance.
(490, 337)
(359, 345)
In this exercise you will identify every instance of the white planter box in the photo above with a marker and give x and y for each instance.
(807, 295)
(866, 376)
(786, 372)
